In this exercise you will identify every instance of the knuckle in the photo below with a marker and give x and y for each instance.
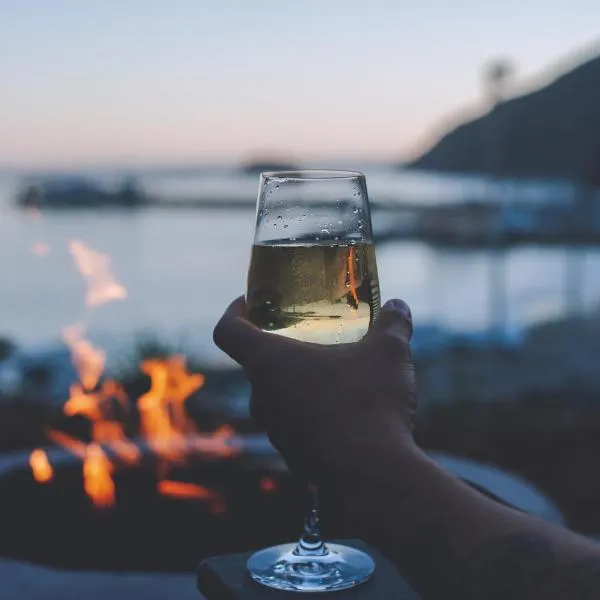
(395, 345)
(219, 332)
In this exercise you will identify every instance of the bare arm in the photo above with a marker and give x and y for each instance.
(343, 416)
(445, 536)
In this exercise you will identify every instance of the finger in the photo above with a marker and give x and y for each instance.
(239, 338)
(394, 320)
(259, 412)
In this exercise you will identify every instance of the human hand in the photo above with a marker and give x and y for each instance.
(332, 411)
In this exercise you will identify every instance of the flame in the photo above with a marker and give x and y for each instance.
(268, 485)
(95, 267)
(221, 439)
(97, 468)
(164, 424)
(163, 419)
(178, 489)
(98, 408)
(97, 477)
(113, 434)
(75, 446)
(88, 360)
(40, 249)
(351, 273)
(95, 405)
(40, 466)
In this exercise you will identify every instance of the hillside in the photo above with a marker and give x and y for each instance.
(551, 132)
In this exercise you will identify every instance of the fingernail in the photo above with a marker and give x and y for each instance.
(398, 306)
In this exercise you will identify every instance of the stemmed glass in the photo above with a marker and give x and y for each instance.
(313, 277)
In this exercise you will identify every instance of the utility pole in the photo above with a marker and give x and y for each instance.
(496, 76)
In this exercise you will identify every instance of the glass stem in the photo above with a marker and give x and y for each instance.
(310, 543)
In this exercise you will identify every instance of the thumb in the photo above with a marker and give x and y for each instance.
(394, 321)
(239, 338)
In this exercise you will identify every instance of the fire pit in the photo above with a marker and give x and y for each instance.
(141, 472)
(151, 523)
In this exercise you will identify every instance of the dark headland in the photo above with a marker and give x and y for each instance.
(553, 131)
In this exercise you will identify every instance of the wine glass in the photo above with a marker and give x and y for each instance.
(313, 277)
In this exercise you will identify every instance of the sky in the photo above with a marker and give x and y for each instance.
(86, 82)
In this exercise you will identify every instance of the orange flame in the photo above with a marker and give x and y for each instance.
(351, 274)
(75, 446)
(97, 407)
(268, 485)
(95, 267)
(186, 491)
(164, 422)
(40, 466)
(97, 477)
(97, 468)
(179, 489)
(163, 419)
(87, 359)
(113, 434)
(171, 433)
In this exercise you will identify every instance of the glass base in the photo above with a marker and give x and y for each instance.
(339, 568)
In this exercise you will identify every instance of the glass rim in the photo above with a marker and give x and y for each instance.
(311, 175)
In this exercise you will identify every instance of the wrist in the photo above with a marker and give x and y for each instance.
(380, 463)
(377, 494)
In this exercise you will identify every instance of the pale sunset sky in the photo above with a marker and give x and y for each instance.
(85, 82)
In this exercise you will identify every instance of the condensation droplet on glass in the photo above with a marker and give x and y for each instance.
(279, 217)
(285, 226)
(325, 230)
(317, 238)
(277, 187)
(340, 222)
(336, 238)
(271, 324)
(360, 225)
(355, 210)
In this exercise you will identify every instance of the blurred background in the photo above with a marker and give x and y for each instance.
(132, 135)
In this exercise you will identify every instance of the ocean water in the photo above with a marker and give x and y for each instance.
(182, 267)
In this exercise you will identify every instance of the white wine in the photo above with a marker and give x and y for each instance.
(321, 293)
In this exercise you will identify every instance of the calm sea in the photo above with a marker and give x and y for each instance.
(182, 267)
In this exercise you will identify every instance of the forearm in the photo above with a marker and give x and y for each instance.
(449, 539)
